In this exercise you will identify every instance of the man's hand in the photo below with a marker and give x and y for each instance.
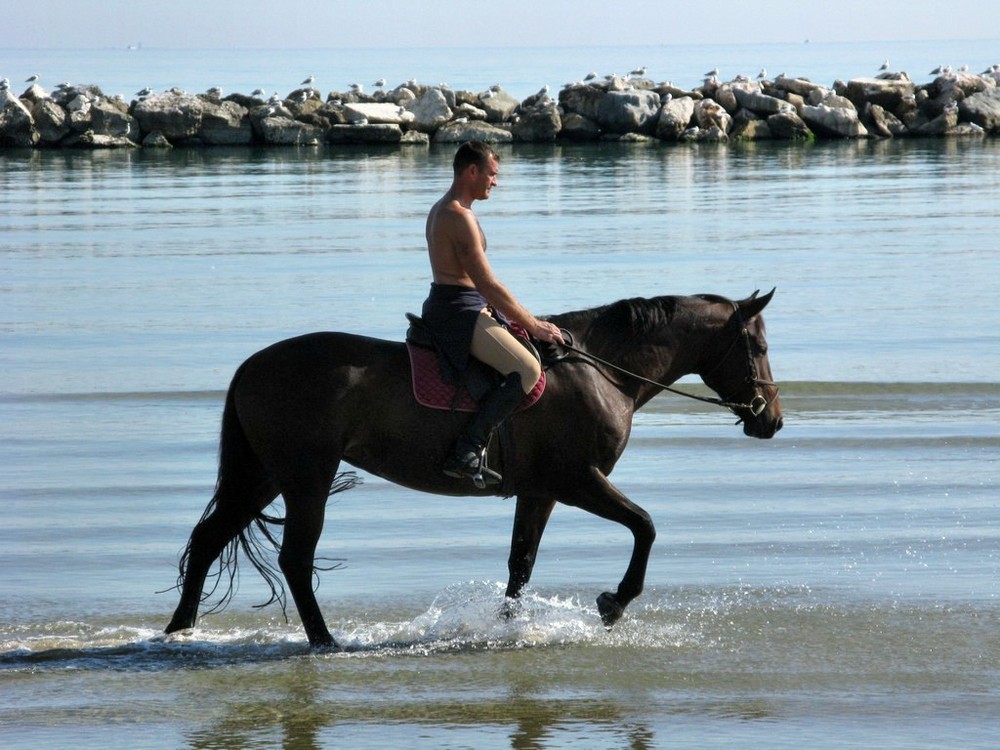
(545, 331)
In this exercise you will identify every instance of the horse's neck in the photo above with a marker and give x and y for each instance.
(671, 350)
(647, 369)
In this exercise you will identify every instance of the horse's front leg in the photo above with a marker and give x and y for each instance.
(530, 518)
(598, 496)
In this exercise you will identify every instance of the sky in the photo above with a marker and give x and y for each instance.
(305, 24)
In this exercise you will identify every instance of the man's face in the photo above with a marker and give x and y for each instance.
(486, 178)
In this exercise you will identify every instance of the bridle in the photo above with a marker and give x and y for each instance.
(757, 404)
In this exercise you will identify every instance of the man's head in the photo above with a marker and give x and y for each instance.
(473, 153)
(476, 169)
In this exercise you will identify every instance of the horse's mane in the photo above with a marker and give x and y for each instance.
(626, 323)
(636, 313)
(620, 328)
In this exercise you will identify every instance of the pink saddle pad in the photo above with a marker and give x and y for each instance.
(430, 389)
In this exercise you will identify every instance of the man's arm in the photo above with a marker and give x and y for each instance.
(472, 255)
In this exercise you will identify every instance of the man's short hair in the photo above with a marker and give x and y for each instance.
(473, 152)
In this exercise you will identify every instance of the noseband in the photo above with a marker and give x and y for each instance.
(757, 404)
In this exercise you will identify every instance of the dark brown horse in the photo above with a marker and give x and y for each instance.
(300, 407)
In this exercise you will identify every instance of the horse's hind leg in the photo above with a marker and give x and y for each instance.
(229, 516)
(305, 510)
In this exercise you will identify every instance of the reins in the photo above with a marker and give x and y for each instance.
(756, 405)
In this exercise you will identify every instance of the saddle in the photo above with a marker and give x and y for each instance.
(433, 389)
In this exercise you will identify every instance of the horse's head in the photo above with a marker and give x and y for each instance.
(737, 368)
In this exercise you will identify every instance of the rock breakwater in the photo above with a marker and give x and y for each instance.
(629, 108)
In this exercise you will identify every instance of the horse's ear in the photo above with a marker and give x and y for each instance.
(752, 305)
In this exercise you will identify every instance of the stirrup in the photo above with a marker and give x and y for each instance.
(472, 465)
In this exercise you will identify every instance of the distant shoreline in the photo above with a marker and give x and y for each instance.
(628, 107)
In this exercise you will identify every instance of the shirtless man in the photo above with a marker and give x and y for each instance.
(464, 305)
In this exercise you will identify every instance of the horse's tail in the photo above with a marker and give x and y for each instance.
(242, 478)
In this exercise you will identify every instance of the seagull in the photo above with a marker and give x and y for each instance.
(257, 92)
(31, 78)
(543, 91)
(712, 73)
(145, 92)
(357, 88)
(215, 91)
(308, 81)
(937, 71)
(762, 75)
(885, 65)
(379, 83)
(590, 77)
(638, 72)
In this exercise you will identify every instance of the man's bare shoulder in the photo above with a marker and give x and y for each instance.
(451, 210)
(451, 217)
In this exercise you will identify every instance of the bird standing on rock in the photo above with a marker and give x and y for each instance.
(308, 81)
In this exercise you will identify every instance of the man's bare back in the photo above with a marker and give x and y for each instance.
(447, 232)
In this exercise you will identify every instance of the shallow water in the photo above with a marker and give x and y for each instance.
(836, 586)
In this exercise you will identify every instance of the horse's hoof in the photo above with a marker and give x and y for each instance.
(326, 647)
(611, 611)
(510, 609)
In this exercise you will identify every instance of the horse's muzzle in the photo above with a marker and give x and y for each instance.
(764, 424)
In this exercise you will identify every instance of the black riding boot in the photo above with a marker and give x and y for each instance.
(468, 460)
